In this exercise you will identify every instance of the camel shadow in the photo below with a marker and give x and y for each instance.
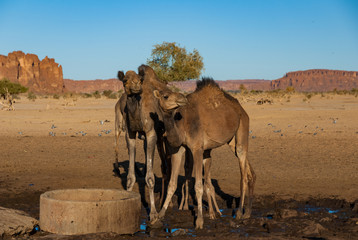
(140, 172)
(229, 200)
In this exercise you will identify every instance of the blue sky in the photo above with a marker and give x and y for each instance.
(258, 39)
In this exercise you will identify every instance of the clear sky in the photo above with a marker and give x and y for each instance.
(252, 39)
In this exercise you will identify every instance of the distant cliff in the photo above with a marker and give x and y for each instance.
(90, 86)
(319, 80)
(43, 76)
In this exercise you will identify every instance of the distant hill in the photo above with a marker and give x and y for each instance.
(228, 85)
(45, 77)
(317, 80)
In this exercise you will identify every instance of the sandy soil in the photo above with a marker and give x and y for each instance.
(303, 152)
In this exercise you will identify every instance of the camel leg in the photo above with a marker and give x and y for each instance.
(208, 186)
(176, 162)
(198, 171)
(151, 138)
(165, 166)
(188, 166)
(239, 145)
(251, 185)
(131, 145)
(117, 132)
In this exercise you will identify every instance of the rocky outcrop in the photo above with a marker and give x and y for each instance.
(15, 223)
(90, 86)
(43, 76)
(319, 80)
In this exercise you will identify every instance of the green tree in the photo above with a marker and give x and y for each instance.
(173, 63)
(12, 88)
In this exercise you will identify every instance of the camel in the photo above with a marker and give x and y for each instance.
(137, 111)
(198, 123)
(132, 89)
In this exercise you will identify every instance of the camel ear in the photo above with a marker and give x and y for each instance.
(156, 94)
(120, 75)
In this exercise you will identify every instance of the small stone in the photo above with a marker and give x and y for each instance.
(179, 232)
(233, 224)
(326, 219)
(288, 213)
(313, 229)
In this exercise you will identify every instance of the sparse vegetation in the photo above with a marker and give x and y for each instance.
(256, 91)
(96, 94)
(110, 94)
(31, 96)
(308, 95)
(56, 96)
(107, 93)
(290, 89)
(87, 95)
(7, 87)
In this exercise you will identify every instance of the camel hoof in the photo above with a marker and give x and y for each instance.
(130, 185)
(153, 216)
(247, 215)
(241, 216)
(199, 223)
(161, 214)
(156, 223)
(212, 216)
(186, 207)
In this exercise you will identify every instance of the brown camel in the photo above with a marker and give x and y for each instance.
(132, 85)
(139, 111)
(202, 121)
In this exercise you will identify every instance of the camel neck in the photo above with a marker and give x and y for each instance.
(173, 134)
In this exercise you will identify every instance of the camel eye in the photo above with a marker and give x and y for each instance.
(166, 97)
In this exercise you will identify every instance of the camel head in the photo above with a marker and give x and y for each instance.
(146, 71)
(169, 100)
(132, 83)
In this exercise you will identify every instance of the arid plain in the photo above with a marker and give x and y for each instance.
(302, 148)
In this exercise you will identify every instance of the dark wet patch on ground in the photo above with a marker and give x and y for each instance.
(271, 218)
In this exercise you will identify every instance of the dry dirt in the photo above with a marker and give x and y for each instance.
(303, 152)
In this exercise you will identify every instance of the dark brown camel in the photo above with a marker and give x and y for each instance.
(202, 121)
(125, 111)
(139, 111)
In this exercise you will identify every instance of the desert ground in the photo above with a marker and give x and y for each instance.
(303, 150)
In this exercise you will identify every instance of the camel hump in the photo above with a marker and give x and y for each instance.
(205, 82)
